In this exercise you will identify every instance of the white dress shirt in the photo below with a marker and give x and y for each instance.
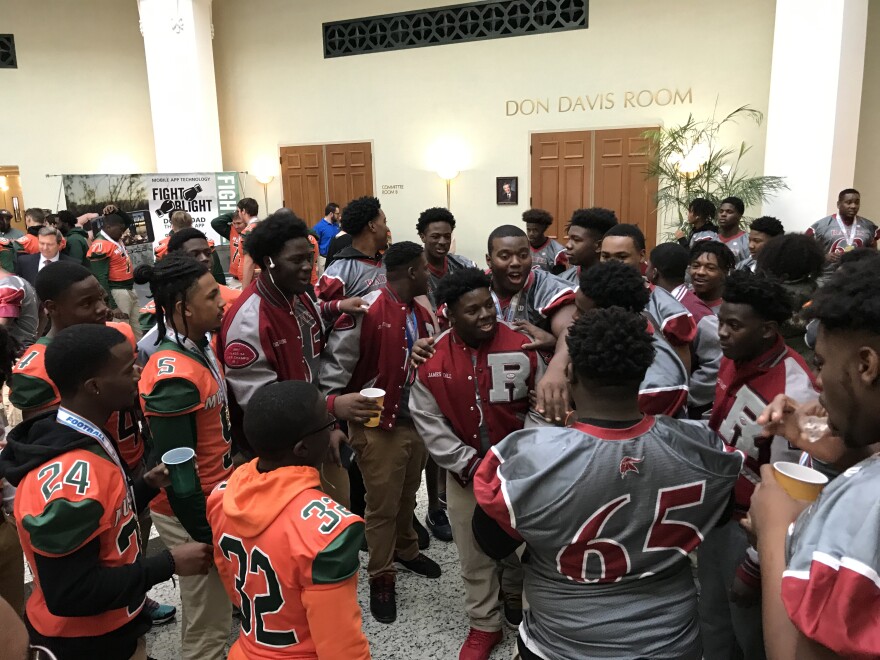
(45, 262)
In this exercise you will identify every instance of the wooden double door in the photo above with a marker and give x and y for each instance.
(579, 169)
(314, 175)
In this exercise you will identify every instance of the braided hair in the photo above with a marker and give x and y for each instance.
(170, 280)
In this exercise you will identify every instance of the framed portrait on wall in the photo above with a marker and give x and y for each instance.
(507, 190)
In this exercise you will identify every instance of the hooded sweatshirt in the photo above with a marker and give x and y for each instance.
(290, 539)
(81, 538)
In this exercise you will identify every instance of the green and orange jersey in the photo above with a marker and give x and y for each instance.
(174, 382)
(31, 390)
(28, 244)
(110, 259)
(236, 249)
(61, 506)
(7, 254)
(287, 555)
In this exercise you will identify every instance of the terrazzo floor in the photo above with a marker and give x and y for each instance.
(431, 623)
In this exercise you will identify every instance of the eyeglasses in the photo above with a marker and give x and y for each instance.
(326, 426)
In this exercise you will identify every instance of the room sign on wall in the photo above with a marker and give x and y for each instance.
(644, 98)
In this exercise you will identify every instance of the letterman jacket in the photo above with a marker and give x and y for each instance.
(352, 274)
(262, 341)
(465, 400)
(372, 351)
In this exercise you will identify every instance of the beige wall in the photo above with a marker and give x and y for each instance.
(275, 88)
(78, 102)
(868, 154)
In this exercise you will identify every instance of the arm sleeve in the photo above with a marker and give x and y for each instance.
(217, 269)
(143, 494)
(76, 249)
(29, 393)
(222, 224)
(78, 584)
(335, 622)
(11, 298)
(708, 352)
(679, 329)
(330, 288)
(170, 433)
(100, 266)
(341, 354)
(492, 539)
(441, 441)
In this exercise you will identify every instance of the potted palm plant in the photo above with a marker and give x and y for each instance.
(690, 160)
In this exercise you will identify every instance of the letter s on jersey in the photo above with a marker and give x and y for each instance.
(510, 373)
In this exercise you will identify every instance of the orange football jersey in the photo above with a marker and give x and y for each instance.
(31, 389)
(120, 262)
(29, 244)
(278, 540)
(61, 506)
(175, 382)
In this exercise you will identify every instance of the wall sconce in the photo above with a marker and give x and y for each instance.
(4, 184)
(265, 180)
(447, 174)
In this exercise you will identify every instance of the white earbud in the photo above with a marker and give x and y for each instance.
(271, 263)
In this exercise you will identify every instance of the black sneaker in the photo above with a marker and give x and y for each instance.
(422, 533)
(513, 612)
(383, 600)
(420, 565)
(438, 523)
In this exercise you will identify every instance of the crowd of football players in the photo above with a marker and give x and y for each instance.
(596, 424)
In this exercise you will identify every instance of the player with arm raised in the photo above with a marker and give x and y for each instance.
(608, 508)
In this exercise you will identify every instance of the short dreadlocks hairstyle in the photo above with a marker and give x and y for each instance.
(267, 239)
(702, 208)
(435, 214)
(460, 282)
(170, 281)
(615, 284)
(850, 300)
(595, 220)
(762, 293)
(178, 238)
(611, 347)
(767, 224)
(358, 213)
(792, 257)
(723, 254)
(538, 216)
(401, 255)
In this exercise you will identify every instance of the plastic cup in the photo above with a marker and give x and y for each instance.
(799, 481)
(181, 464)
(379, 397)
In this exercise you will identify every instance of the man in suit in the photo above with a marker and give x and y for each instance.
(49, 241)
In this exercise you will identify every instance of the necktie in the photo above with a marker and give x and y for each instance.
(44, 264)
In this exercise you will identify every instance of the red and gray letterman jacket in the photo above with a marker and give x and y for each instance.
(372, 351)
(742, 394)
(266, 338)
(465, 400)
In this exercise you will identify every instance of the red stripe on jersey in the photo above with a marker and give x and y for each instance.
(667, 401)
(679, 330)
(489, 493)
(837, 604)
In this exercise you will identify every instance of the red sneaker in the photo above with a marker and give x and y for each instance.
(479, 644)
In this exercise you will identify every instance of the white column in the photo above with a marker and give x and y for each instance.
(815, 99)
(179, 52)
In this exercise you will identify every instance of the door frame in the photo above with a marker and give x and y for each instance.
(651, 240)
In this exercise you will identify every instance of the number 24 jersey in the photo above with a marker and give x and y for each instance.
(608, 517)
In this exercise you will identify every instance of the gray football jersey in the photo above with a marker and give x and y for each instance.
(739, 245)
(541, 296)
(454, 262)
(609, 516)
(548, 255)
(830, 586)
(349, 277)
(830, 234)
